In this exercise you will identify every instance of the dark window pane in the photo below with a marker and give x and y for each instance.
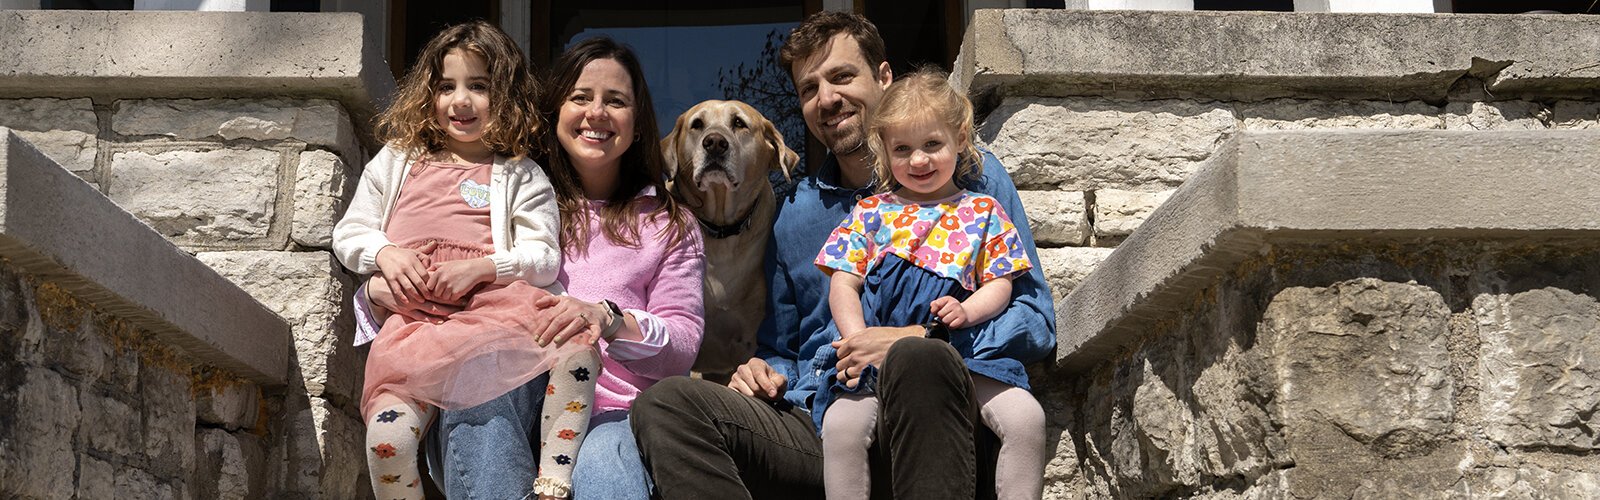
(1268, 5)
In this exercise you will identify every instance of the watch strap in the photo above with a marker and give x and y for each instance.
(616, 322)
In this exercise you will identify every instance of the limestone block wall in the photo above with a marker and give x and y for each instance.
(1412, 320)
(1278, 330)
(240, 150)
(1378, 370)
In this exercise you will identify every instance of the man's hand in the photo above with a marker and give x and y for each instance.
(450, 281)
(868, 347)
(407, 275)
(757, 379)
(379, 294)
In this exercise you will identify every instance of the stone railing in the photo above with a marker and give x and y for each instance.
(1403, 310)
(237, 136)
(122, 354)
(1384, 313)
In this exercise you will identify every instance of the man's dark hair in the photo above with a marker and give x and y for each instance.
(816, 30)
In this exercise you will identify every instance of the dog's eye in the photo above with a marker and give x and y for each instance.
(738, 123)
(697, 124)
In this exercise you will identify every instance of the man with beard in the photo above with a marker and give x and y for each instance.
(702, 440)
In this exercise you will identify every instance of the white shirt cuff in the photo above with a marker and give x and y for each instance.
(366, 325)
(655, 338)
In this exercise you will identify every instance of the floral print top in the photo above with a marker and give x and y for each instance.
(967, 238)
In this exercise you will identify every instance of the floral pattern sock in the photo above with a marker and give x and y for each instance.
(567, 404)
(393, 435)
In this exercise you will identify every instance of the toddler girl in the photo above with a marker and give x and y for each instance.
(452, 211)
(924, 251)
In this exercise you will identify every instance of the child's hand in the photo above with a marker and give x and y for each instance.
(450, 281)
(404, 270)
(950, 311)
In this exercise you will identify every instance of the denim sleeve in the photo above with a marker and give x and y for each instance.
(774, 337)
(1026, 330)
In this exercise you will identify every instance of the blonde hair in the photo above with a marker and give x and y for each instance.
(514, 123)
(925, 94)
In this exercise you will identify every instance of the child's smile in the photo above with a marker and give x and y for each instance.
(461, 100)
(922, 157)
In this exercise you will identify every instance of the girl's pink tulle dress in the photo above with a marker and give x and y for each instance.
(486, 349)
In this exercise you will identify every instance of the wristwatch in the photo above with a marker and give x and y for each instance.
(616, 322)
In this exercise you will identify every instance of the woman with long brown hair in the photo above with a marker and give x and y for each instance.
(632, 266)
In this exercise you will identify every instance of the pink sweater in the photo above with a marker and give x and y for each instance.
(663, 281)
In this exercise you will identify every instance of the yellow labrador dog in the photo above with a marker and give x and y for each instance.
(718, 156)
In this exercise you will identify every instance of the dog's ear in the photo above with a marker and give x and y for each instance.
(669, 149)
(787, 158)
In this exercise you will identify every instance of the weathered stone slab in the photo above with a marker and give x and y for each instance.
(264, 55)
(230, 466)
(307, 289)
(136, 483)
(168, 413)
(1540, 368)
(1575, 114)
(96, 479)
(64, 129)
(44, 409)
(115, 265)
(80, 351)
(1366, 356)
(1117, 213)
(1499, 115)
(110, 426)
(1056, 217)
(221, 195)
(320, 189)
(1266, 186)
(1263, 55)
(1527, 481)
(1065, 267)
(1085, 144)
(315, 121)
(230, 405)
(325, 454)
(1299, 114)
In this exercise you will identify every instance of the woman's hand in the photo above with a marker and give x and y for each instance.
(407, 275)
(450, 281)
(378, 293)
(570, 319)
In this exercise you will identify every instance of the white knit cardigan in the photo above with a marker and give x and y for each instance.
(523, 219)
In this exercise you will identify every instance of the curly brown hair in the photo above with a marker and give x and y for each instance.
(408, 123)
(925, 94)
(642, 164)
(814, 33)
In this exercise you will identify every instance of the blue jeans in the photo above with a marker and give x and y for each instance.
(609, 466)
(488, 451)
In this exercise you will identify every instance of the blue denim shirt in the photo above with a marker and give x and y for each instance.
(794, 338)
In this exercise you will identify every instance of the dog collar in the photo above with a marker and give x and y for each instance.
(720, 231)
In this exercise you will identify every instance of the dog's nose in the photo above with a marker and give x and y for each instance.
(714, 143)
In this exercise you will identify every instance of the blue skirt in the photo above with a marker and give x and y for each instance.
(897, 293)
